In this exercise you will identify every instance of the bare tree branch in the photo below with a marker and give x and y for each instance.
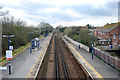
(2, 13)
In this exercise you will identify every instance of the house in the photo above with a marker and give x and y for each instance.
(109, 35)
(96, 31)
(84, 27)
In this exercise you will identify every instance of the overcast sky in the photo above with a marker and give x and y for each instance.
(63, 12)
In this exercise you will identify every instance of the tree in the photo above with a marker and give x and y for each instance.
(45, 28)
(2, 13)
(19, 29)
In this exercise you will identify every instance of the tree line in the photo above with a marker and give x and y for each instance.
(78, 34)
(18, 28)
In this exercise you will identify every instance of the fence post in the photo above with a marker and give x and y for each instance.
(97, 52)
(114, 61)
(118, 64)
(100, 54)
(104, 56)
(108, 59)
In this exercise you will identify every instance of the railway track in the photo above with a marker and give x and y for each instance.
(62, 59)
(59, 63)
(56, 61)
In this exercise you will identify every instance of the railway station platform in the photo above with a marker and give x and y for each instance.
(23, 64)
(97, 66)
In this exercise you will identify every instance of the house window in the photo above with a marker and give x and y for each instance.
(102, 42)
(114, 36)
(115, 44)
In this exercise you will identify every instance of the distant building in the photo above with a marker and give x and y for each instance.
(96, 31)
(109, 34)
(84, 27)
(43, 25)
(60, 26)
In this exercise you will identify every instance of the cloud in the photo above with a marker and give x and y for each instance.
(65, 12)
(96, 22)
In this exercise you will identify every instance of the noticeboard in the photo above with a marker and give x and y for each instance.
(8, 54)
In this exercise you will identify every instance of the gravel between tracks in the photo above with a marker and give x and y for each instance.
(67, 64)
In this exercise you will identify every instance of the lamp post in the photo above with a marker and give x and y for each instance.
(38, 33)
(30, 41)
(79, 39)
(8, 49)
(92, 41)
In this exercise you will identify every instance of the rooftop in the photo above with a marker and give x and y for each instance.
(108, 27)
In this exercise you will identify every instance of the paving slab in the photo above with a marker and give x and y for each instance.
(23, 63)
(101, 67)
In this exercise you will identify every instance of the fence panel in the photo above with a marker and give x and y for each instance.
(107, 58)
(116, 63)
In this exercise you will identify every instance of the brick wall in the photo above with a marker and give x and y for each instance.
(115, 40)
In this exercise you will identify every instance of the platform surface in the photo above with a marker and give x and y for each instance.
(101, 67)
(23, 63)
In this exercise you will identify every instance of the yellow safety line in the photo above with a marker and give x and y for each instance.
(17, 52)
(35, 63)
(32, 68)
(86, 62)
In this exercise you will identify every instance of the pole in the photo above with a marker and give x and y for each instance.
(92, 42)
(8, 42)
(8, 49)
(79, 46)
(30, 36)
(92, 52)
(9, 59)
(30, 43)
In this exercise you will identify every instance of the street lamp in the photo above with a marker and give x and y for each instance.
(38, 33)
(8, 49)
(30, 41)
(92, 40)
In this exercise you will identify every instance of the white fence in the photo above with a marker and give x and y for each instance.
(113, 61)
(77, 43)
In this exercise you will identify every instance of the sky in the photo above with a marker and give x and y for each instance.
(63, 12)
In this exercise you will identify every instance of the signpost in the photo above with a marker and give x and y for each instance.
(9, 52)
(10, 47)
(3, 68)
